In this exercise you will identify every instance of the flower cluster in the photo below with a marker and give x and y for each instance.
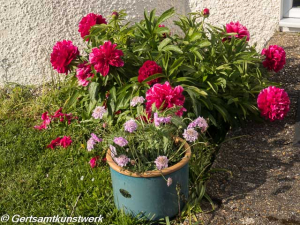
(88, 21)
(58, 115)
(273, 103)
(236, 27)
(63, 142)
(164, 96)
(274, 58)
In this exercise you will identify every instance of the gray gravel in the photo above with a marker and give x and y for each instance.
(265, 187)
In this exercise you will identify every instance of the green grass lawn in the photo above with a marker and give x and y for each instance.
(43, 182)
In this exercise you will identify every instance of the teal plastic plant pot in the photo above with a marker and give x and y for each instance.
(147, 195)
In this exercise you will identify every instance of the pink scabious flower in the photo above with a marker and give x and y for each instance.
(238, 28)
(96, 138)
(65, 141)
(148, 69)
(159, 120)
(273, 103)
(130, 126)
(83, 72)
(46, 121)
(137, 100)
(164, 96)
(169, 181)
(98, 112)
(64, 52)
(113, 150)
(88, 21)
(104, 56)
(161, 162)
(54, 143)
(93, 161)
(199, 122)
(120, 141)
(122, 160)
(275, 58)
(190, 134)
(90, 144)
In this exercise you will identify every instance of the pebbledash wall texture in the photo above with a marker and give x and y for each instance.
(29, 29)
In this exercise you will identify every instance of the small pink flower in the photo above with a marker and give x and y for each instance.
(273, 103)
(120, 141)
(137, 100)
(93, 161)
(83, 72)
(88, 21)
(275, 58)
(65, 141)
(54, 143)
(159, 120)
(113, 150)
(199, 122)
(90, 144)
(164, 96)
(64, 52)
(130, 126)
(190, 135)
(169, 181)
(122, 160)
(238, 28)
(98, 112)
(46, 121)
(104, 56)
(161, 162)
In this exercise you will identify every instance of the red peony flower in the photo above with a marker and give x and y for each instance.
(148, 69)
(104, 56)
(65, 141)
(93, 161)
(46, 121)
(237, 28)
(205, 12)
(54, 143)
(164, 96)
(273, 103)
(275, 58)
(88, 21)
(83, 72)
(64, 52)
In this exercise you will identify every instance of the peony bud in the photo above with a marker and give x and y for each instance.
(115, 15)
(205, 12)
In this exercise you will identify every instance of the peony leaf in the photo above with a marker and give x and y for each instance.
(172, 48)
(166, 15)
(162, 44)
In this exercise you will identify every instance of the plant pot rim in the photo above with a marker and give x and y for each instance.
(154, 173)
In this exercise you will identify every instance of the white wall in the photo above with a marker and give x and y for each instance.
(30, 28)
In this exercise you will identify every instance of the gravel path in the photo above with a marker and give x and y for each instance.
(265, 187)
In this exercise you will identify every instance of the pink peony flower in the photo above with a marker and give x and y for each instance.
(104, 56)
(54, 143)
(148, 69)
(161, 162)
(190, 134)
(137, 100)
(130, 126)
(275, 58)
(83, 72)
(64, 52)
(164, 96)
(273, 103)
(205, 12)
(88, 21)
(120, 141)
(122, 160)
(237, 28)
(199, 122)
(93, 161)
(65, 141)
(46, 121)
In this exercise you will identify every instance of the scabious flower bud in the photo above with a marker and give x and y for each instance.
(205, 12)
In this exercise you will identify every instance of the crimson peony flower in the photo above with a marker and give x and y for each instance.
(275, 58)
(237, 28)
(93, 161)
(164, 96)
(54, 143)
(88, 21)
(83, 72)
(64, 52)
(65, 141)
(148, 69)
(205, 12)
(104, 56)
(273, 103)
